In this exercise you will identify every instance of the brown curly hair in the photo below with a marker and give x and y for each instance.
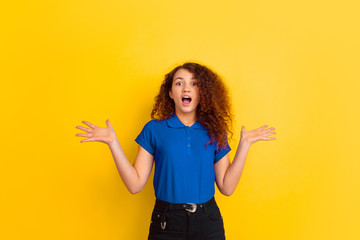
(214, 109)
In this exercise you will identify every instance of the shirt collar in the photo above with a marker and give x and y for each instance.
(174, 122)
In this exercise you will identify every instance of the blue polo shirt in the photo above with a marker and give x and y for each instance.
(184, 168)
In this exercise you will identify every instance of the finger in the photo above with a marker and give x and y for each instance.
(263, 127)
(270, 133)
(264, 136)
(269, 129)
(266, 139)
(88, 140)
(89, 124)
(108, 123)
(84, 129)
(83, 135)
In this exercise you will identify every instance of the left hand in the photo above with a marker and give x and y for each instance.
(257, 134)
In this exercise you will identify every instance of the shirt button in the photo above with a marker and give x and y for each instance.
(188, 145)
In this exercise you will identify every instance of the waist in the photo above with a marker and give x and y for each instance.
(190, 207)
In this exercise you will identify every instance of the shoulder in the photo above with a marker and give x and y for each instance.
(156, 121)
(155, 124)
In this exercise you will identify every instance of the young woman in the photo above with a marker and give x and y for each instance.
(187, 139)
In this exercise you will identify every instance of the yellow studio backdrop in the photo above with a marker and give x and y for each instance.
(293, 65)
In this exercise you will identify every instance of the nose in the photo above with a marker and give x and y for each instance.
(186, 88)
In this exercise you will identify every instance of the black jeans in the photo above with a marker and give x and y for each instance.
(205, 223)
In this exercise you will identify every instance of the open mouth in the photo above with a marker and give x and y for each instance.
(186, 100)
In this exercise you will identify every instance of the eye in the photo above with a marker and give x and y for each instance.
(178, 83)
(194, 83)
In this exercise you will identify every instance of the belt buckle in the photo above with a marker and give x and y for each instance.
(163, 225)
(193, 207)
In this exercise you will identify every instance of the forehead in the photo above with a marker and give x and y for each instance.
(184, 74)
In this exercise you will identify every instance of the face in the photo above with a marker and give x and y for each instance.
(185, 92)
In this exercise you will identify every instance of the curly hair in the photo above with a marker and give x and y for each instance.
(214, 109)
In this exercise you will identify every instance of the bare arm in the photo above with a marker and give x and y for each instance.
(134, 176)
(228, 175)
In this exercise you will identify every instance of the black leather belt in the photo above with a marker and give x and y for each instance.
(190, 207)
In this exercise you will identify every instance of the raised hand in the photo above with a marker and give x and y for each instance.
(256, 134)
(94, 133)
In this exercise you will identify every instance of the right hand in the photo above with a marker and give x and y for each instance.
(94, 133)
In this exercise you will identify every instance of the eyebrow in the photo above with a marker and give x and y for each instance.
(183, 78)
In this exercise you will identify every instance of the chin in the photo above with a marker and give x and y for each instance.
(188, 110)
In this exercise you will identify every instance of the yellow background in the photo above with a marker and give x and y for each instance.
(293, 65)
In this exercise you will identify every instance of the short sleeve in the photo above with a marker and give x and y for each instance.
(146, 138)
(219, 155)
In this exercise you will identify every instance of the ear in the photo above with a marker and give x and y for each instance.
(170, 94)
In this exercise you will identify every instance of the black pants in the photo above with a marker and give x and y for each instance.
(168, 224)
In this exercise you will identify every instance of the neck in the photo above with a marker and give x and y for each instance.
(188, 119)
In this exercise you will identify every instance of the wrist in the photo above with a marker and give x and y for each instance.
(244, 143)
(113, 143)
